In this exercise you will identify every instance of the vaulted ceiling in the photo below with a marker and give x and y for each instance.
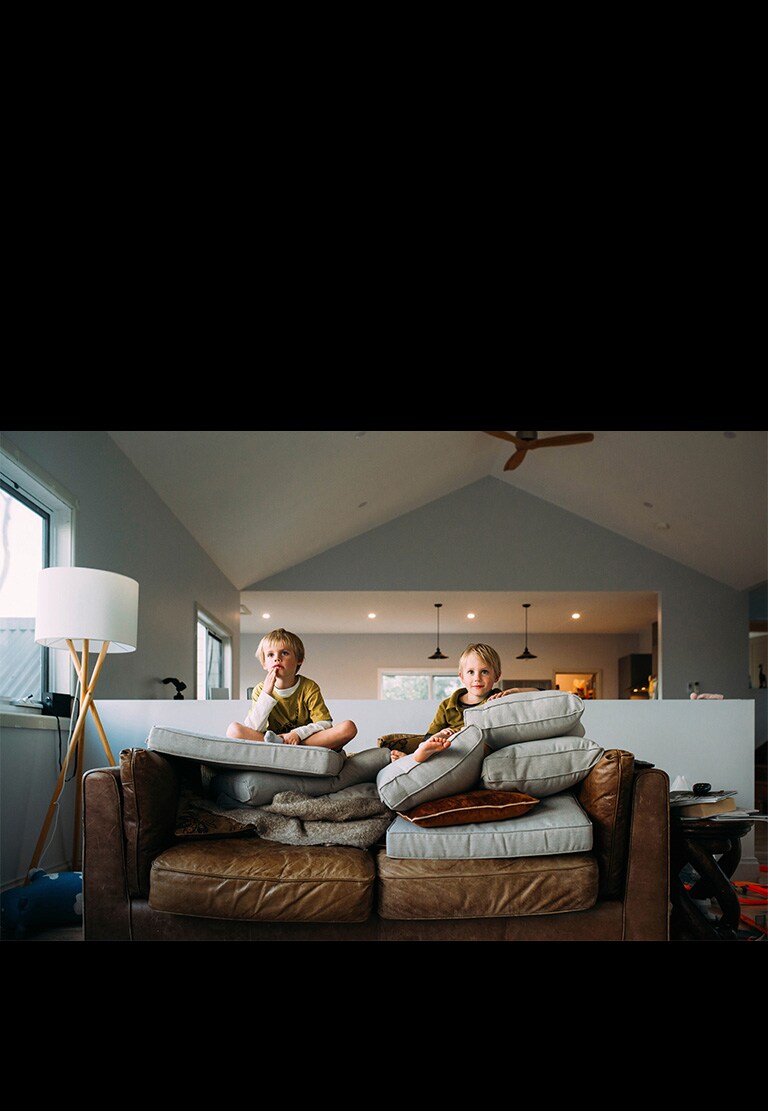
(259, 502)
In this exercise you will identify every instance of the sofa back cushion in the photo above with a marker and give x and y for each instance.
(606, 796)
(150, 785)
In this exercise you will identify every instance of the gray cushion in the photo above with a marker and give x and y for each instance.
(542, 767)
(257, 788)
(404, 784)
(556, 825)
(527, 716)
(294, 759)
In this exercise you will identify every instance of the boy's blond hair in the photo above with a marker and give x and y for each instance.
(278, 637)
(487, 654)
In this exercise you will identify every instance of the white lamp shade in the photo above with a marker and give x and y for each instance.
(79, 603)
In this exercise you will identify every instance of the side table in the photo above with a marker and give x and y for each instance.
(698, 843)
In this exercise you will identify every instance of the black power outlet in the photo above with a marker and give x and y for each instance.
(57, 705)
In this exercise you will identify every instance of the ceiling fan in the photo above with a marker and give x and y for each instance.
(527, 441)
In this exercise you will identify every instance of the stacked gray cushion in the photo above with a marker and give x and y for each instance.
(556, 825)
(404, 783)
(542, 767)
(255, 788)
(527, 716)
(209, 749)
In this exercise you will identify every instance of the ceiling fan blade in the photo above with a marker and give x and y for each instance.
(515, 460)
(504, 436)
(562, 441)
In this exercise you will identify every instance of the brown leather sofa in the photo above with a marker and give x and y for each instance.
(142, 882)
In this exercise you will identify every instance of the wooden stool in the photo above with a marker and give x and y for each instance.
(698, 843)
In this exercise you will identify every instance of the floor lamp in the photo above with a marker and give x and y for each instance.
(86, 611)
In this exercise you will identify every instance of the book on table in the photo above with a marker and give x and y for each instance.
(706, 809)
(686, 804)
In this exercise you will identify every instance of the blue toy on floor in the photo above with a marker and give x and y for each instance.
(54, 899)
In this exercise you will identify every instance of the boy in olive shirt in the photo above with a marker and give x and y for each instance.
(479, 669)
(289, 708)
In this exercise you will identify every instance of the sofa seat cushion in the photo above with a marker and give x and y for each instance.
(245, 755)
(556, 825)
(476, 888)
(527, 716)
(263, 881)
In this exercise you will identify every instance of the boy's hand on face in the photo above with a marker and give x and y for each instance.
(271, 679)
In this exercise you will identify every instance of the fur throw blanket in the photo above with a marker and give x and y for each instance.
(353, 816)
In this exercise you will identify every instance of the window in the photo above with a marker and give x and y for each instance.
(36, 517)
(214, 658)
(413, 683)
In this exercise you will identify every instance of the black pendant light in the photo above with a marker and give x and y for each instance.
(438, 655)
(526, 655)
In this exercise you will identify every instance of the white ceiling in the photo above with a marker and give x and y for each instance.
(261, 502)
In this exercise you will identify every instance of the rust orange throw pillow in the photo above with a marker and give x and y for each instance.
(471, 806)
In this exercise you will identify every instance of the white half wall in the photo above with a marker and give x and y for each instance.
(703, 739)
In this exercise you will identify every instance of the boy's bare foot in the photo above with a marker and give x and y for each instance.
(432, 745)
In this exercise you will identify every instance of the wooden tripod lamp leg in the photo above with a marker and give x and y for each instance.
(75, 750)
(77, 839)
(74, 744)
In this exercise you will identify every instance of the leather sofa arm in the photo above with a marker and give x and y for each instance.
(646, 902)
(151, 786)
(106, 907)
(129, 816)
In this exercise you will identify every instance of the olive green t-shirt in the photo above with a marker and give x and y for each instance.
(450, 712)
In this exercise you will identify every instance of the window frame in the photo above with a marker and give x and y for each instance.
(45, 494)
(224, 636)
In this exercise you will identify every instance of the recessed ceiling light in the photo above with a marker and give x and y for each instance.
(266, 616)
(575, 616)
(471, 616)
(371, 615)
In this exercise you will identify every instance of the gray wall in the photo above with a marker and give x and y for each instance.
(123, 526)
